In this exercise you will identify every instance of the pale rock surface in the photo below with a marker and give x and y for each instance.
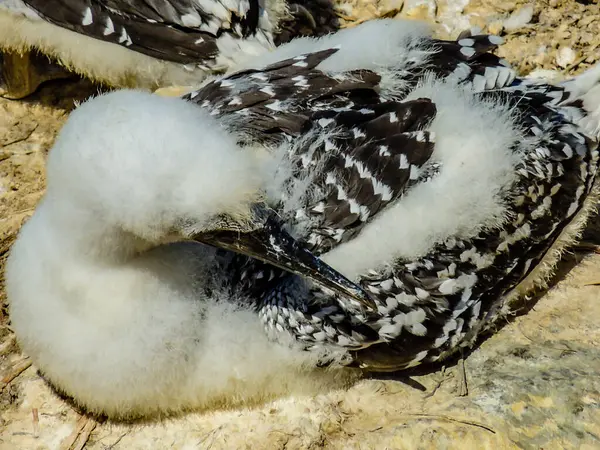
(565, 57)
(420, 9)
(532, 385)
(519, 18)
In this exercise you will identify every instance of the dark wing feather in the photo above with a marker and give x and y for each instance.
(175, 30)
(426, 308)
(368, 158)
(556, 178)
(367, 164)
(287, 88)
(469, 60)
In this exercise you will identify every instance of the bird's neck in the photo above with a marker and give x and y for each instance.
(83, 235)
(98, 272)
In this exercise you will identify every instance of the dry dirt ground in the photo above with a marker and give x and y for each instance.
(534, 384)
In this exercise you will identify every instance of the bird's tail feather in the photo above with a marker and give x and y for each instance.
(586, 89)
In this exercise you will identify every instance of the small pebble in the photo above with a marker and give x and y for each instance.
(565, 57)
(495, 28)
(587, 20)
(519, 18)
(420, 9)
(547, 75)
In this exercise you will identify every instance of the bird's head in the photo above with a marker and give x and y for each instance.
(162, 169)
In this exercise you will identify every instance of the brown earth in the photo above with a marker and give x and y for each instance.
(534, 384)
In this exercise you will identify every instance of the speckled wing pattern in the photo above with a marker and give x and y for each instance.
(468, 60)
(183, 31)
(277, 101)
(372, 155)
(371, 152)
(429, 307)
(432, 306)
(359, 151)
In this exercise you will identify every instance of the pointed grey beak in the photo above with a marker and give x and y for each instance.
(270, 243)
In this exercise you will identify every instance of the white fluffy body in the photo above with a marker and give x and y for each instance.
(111, 313)
(121, 322)
(400, 45)
(172, 159)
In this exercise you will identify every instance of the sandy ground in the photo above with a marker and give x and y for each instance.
(534, 384)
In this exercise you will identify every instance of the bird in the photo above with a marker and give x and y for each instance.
(425, 171)
(344, 205)
(134, 43)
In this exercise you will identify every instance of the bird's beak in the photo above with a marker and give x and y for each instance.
(270, 243)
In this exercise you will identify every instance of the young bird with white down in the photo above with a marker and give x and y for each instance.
(136, 43)
(428, 175)
(113, 308)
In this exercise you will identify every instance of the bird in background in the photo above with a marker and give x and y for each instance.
(337, 202)
(145, 44)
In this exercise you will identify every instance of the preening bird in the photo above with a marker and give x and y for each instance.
(146, 44)
(435, 186)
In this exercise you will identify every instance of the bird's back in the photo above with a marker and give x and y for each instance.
(439, 207)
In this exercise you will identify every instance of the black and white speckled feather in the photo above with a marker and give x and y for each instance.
(468, 60)
(355, 152)
(359, 151)
(177, 30)
(193, 33)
